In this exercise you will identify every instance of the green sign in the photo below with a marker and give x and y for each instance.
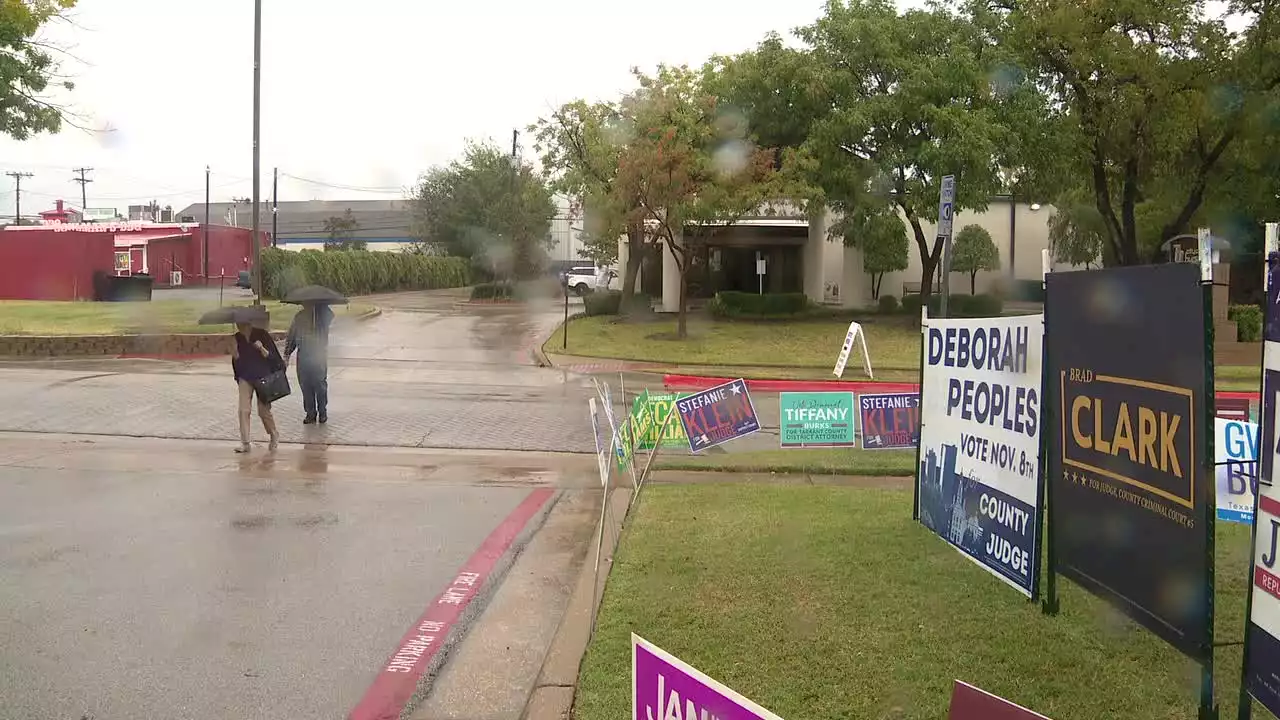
(823, 419)
(660, 406)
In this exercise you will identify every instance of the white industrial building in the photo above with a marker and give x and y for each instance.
(799, 257)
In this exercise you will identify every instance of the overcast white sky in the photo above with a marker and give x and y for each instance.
(366, 94)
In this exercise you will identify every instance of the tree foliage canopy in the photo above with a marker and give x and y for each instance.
(29, 68)
(974, 250)
(881, 237)
(1147, 98)
(487, 207)
(884, 104)
(341, 231)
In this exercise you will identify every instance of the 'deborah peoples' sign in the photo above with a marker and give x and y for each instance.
(717, 415)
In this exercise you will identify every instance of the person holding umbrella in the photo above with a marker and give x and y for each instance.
(257, 367)
(309, 336)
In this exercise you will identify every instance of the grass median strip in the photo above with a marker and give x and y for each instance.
(830, 602)
(799, 350)
(35, 317)
(822, 461)
(892, 342)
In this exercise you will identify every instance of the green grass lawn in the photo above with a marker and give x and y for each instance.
(822, 461)
(831, 603)
(894, 343)
(36, 317)
(800, 350)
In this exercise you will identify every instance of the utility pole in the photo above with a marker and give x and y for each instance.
(257, 155)
(235, 209)
(275, 202)
(17, 194)
(204, 231)
(515, 144)
(84, 183)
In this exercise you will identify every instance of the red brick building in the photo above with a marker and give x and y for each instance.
(57, 260)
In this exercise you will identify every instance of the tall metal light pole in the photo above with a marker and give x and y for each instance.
(204, 231)
(257, 153)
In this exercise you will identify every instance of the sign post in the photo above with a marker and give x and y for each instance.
(760, 270)
(946, 211)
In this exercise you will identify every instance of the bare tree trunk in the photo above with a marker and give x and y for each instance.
(929, 258)
(682, 319)
(636, 249)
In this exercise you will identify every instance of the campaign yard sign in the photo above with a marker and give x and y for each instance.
(661, 405)
(971, 703)
(890, 421)
(1262, 665)
(1132, 493)
(717, 415)
(818, 419)
(665, 688)
(1235, 448)
(980, 441)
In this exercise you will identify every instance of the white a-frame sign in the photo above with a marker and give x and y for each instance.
(855, 334)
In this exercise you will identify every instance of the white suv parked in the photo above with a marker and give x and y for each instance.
(586, 279)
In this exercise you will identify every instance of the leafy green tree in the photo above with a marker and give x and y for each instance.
(29, 69)
(486, 207)
(1077, 233)
(341, 231)
(581, 145)
(884, 105)
(972, 251)
(1147, 100)
(882, 238)
(695, 169)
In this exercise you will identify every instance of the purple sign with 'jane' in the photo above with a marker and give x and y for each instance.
(664, 688)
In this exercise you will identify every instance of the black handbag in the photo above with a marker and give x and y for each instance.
(273, 387)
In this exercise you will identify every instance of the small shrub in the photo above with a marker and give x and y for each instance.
(729, 304)
(1248, 320)
(493, 291)
(981, 305)
(888, 304)
(602, 302)
(911, 305)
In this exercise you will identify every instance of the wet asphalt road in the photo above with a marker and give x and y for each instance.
(171, 579)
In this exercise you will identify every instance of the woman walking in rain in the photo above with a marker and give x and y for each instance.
(309, 336)
(256, 357)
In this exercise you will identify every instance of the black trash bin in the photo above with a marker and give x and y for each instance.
(109, 288)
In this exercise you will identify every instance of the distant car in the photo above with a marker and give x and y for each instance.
(586, 279)
(243, 280)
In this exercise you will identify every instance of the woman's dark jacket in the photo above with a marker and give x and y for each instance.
(248, 363)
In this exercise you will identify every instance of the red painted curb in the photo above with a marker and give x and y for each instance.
(697, 382)
(398, 679)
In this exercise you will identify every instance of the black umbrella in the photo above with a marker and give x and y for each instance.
(315, 295)
(234, 315)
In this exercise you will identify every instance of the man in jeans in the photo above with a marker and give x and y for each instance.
(309, 335)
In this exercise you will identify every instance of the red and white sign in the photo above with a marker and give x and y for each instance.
(971, 703)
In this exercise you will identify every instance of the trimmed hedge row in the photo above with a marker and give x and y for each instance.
(959, 305)
(493, 291)
(359, 272)
(730, 304)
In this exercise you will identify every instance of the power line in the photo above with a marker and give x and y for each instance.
(339, 186)
(17, 194)
(84, 183)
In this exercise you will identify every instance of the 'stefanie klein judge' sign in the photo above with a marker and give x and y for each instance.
(717, 415)
(980, 441)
